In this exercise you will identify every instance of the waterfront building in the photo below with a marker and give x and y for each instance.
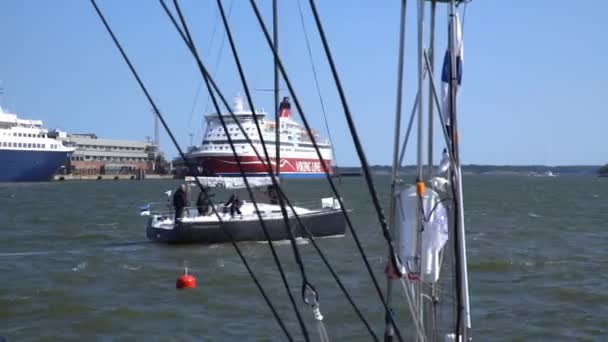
(97, 156)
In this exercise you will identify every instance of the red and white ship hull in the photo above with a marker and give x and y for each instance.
(252, 166)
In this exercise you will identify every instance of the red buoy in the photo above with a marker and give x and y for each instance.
(185, 281)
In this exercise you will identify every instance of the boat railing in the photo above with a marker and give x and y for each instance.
(167, 209)
(306, 204)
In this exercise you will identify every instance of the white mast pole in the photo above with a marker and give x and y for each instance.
(388, 332)
(418, 287)
(431, 53)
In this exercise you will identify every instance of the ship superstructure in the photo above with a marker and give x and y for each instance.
(298, 157)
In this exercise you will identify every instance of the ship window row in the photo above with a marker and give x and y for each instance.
(244, 141)
(234, 135)
(29, 135)
(239, 130)
(106, 158)
(206, 148)
(23, 145)
(222, 147)
(107, 148)
(232, 129)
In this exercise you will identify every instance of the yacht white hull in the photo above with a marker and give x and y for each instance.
(245, 227)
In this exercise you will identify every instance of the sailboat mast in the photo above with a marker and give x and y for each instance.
(388, 333)
(463, 283)
(432, 314)
(431, 49)
(277, 130)
(418, 287)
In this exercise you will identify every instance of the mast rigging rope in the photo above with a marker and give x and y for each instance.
(185, 34)
(323, 165)
(361, 154)
(272, 175)
(160, 116)
(314, 72)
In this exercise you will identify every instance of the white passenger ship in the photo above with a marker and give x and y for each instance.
(298, 157)
(29, 152)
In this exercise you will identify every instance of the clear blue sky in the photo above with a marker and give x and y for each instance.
(533, 89)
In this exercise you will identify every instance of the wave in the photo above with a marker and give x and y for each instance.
(510, 265)
(80, 266)
(131, 268)
(299, 241)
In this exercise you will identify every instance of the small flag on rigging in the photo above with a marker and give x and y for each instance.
(144, 210)
(446, 70)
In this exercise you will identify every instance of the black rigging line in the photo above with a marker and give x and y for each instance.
(325, 168)
(191, 46)
(353, 130)
(160, 116)
(282, 195)
(329, 267)
(293, 210)
(200, 84)
(314, 72)
(306, 285)
(215, 68)
(395, 260)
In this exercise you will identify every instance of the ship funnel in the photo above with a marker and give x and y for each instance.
(237, 104)
(285, 108)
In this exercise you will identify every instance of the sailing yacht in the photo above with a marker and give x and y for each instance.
(199, 225)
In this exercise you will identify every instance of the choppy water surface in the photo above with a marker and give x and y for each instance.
(75, 265)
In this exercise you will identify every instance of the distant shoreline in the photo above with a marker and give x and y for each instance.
(590, 170)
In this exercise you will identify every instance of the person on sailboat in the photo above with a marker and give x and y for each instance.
(203, 204)
(235, 205)
(271, 192)
(180, 201)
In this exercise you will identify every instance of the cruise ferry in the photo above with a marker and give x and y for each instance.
(29, 152)
(298, 157)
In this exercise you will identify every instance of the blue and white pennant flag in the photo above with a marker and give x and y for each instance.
(447, 66)
(144, 210)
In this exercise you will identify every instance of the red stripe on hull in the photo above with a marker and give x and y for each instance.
(252, 164)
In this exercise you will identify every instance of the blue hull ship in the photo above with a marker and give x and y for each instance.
(30, 166)
(28, 152)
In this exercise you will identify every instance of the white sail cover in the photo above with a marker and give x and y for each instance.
(434, 235)
(231, 182)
